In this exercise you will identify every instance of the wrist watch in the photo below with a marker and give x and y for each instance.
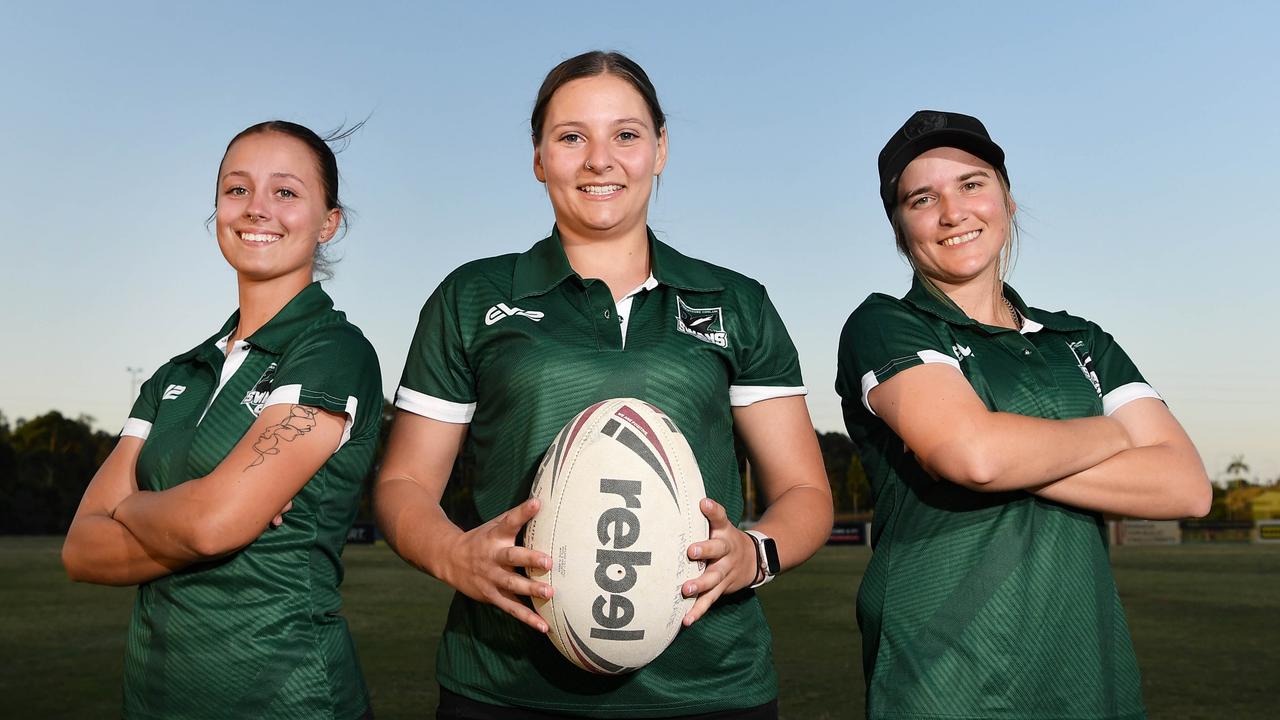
(766, 558)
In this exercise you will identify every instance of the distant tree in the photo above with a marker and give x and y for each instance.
(458, 500)
(53, 459)
(365, 514)
(859, 486)
(837, 452)
(850, 491)
(1237, 468)
(8, 466)
(1239, 500)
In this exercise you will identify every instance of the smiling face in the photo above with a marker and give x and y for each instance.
(271, 212)
(598, 154)
(954, 215)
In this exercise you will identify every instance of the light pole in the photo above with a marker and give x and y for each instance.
(133, 382)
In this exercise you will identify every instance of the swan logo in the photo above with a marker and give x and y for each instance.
(706, 324)
(1085, 361)
(256, 398)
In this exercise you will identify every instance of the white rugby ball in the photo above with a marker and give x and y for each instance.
(620, 489)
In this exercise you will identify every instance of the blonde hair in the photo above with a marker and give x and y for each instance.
(1004, 264)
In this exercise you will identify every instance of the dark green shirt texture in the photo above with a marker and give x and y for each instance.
(517, 345)
(256, 634)
(986, 605)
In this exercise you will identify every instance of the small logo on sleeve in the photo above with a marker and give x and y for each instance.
(706, 324)
(1085, 361)
(502, 311)
(256, 398)
(173, 391)
(961, 351)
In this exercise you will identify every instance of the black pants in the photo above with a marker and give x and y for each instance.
(456, 707)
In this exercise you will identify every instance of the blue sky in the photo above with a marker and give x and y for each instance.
(1142, 146)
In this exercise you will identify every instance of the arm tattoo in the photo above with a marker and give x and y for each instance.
(300, 421)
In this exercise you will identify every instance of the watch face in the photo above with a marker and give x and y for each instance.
(771, 555)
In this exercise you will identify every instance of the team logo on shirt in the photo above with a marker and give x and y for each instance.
(502, 311)
(1085, 361)
(256, 398)
(706, 324)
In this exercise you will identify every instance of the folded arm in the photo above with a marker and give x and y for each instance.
(953, 435)
(98, 548)
(1161, 478)
(229, 508)
(1138, 461)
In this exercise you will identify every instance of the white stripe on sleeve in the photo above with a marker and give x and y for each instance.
(292, 394)
(870, 381)
(743, 395)
(134, 427)
(1126, 394)
(434, 407)
(933, 356)
(284, 394)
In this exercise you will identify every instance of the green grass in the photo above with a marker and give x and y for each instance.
(1205, 620)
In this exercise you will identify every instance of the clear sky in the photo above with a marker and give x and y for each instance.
(1143, 144)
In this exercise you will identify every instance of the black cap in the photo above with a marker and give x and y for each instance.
(924, 131)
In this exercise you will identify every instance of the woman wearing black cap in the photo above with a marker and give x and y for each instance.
(995, 435)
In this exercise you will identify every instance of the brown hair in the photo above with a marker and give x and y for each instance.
(591, 64)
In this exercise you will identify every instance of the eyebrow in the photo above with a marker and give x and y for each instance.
(274, 175)
(619, 121)
(927, 188)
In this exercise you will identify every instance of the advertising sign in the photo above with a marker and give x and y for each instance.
(1149, 532)
(1269, 531)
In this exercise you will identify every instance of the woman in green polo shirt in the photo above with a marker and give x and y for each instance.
(995, 435)
(237, 612)
(508, 349)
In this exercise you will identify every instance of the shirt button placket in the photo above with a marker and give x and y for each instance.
(608, 332)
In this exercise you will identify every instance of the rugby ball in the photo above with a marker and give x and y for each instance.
(620, 489)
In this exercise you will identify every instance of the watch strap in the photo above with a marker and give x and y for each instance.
(765, 546)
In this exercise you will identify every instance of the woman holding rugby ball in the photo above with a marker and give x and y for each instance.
(995, 435)
(509, 348)
(237, 608)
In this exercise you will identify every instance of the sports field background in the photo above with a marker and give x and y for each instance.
(1205, 620)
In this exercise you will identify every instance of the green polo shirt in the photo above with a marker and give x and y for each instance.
(516, 346)
(257, 633)
(986, 605)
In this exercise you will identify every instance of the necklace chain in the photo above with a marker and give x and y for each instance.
(1013, 313)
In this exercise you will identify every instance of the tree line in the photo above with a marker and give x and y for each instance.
(47, 461)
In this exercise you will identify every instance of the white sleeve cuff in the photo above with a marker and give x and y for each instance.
(743, 395)
(1126, 394)
(134, 427)
(434, 407)
(292, 394)
(869, 380)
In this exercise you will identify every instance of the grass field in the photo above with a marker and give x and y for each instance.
(1205, 620)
